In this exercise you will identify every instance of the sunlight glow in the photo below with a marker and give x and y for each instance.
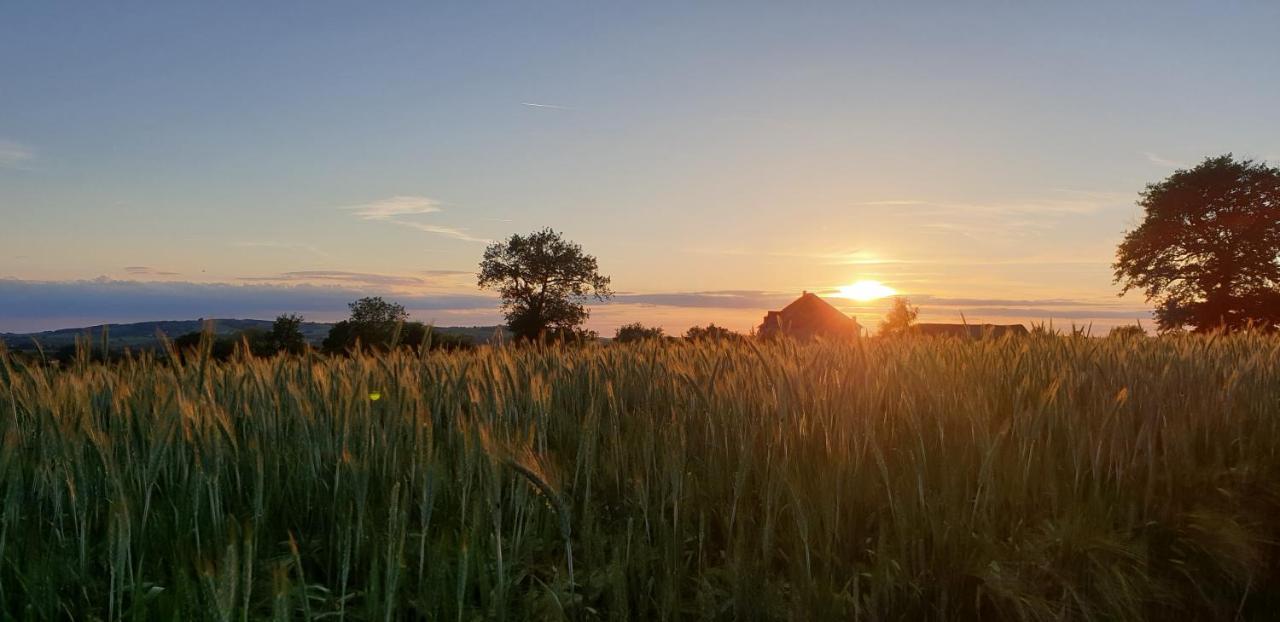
(866, 290)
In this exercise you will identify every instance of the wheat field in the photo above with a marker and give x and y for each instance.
(1024, 479)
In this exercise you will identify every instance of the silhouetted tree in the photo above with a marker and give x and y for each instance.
(342, 335)
(222, 347)
(1130, 331)
(377, 325)
(710, 332)
(629, 333)
(900, 318)
(543, 280)
(447, 341)
(1208, 249)
(374, 323)
(286, 335)
(375, 310)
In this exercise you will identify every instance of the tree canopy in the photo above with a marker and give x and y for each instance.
(900, 318)
(286, 334)
(635, 331)
(710, 332)
(543, 280)
(1208, 250)
(374, 323)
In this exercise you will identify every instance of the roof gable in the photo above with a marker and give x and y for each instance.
(807, 316)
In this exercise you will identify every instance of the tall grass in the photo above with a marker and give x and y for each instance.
(1037, 478)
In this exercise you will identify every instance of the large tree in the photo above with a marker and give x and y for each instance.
(543, 280)
(1208, 250)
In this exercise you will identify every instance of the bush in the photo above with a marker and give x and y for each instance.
(710, 332)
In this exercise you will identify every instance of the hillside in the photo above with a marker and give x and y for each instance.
(143, 335)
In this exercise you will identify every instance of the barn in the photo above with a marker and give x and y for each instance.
(807, 317)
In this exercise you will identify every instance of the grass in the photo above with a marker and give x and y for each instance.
(1036, 478)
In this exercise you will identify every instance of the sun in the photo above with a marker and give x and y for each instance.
(864, 291)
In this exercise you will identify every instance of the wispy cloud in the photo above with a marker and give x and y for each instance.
(720, 299)
(453, 232)
(400, 210)
(14, 155)
(1004, 218)
(43, 305)
(387, 209)
(147, 271)
(343, 276)
(1155, 159)
(437, 278)
(551, 106)
(447, 273)
(288, 246)
(1080, 203)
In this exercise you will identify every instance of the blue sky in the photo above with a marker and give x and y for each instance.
(718, 158)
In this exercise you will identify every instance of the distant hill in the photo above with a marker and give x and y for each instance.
(144, 335)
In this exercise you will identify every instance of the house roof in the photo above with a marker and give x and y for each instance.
(807, 316)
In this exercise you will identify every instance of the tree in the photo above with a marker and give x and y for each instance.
(223, 347)
(286, 335)
(543, 280)
(1208, 250)
(900, 318)
(1131, 331)
(630, 333)
(374, 310)
(374, 323)
(710, 332)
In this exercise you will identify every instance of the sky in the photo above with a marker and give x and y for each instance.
(238, 159)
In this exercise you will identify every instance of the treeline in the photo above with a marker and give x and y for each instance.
(374, 325)
(635, 332)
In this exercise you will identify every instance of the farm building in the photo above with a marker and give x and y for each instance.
(807, 317)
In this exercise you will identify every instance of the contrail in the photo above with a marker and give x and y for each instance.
(552, 106)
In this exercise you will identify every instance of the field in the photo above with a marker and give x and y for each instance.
(1034, 478)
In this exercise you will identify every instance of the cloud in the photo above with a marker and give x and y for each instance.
(723, 299)
(551, 106)
(14, 155)
(387, 209)
(1081, 203)
(147, 271)
(364, 279)
(453, 232)
(1004, 218)
(759, 299)
(1058, 314)
(1155, 159)
(977, 302)
(46, 305)
(360, 278)
(399, 210)
(290, 246)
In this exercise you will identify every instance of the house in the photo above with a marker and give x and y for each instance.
(971, 331)
(807, 317)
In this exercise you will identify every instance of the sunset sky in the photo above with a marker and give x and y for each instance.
(247, 159)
